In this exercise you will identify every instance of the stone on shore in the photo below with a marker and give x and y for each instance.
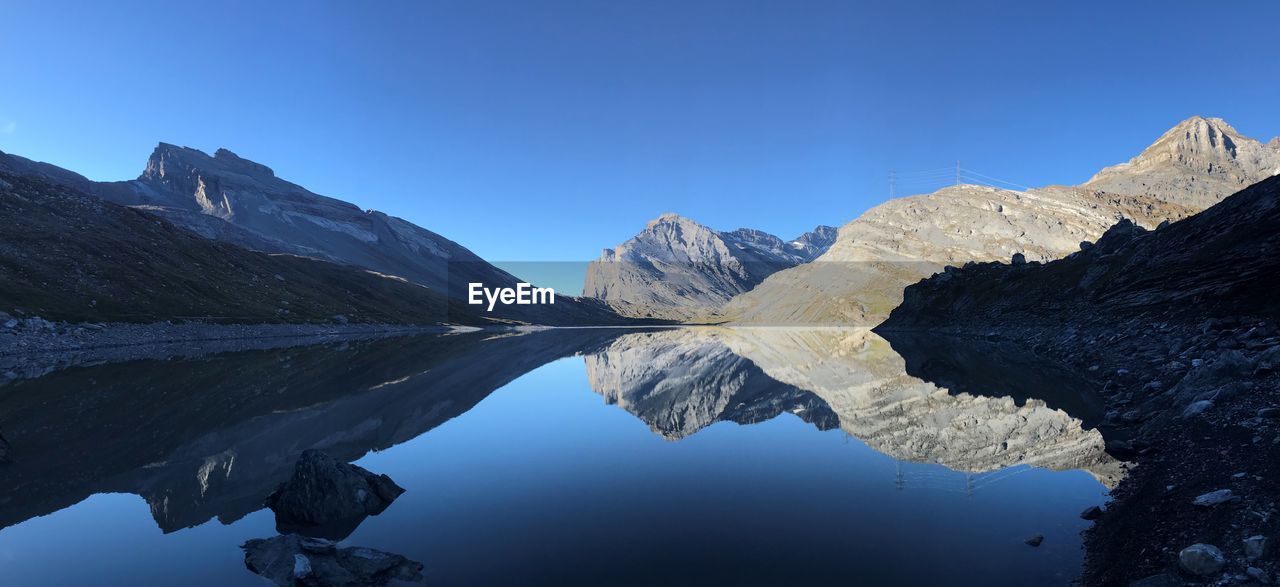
(1201, 559)
(1215, 498)
(1255, 547)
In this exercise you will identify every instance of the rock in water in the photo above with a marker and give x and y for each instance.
(1035, 540)
(1214, 498)
(329, 498)
(1092, 513)
(292, 560)
(1201, 559)
(4, 449)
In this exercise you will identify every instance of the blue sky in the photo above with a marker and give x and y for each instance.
(547, 130)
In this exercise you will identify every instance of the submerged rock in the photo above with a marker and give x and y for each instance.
(1035, 540)
(293, 560)
(1092, 513)
(329, 498)
(1201, 559)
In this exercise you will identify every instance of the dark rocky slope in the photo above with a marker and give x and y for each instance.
(1178, 329)
(226, 198)
(65, 255)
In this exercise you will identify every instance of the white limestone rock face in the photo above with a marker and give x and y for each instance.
(1196, 163)
(678, 269)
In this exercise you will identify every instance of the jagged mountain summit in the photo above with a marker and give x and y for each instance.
(861, 277)
(1196, 163)
(228, 198)
(677, 268)
(189, 187)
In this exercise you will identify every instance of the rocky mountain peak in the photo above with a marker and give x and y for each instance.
(676, 267)
(1198, 162)
(167, 159)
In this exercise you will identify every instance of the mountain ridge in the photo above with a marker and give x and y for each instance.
(859, 280)
(676, 267)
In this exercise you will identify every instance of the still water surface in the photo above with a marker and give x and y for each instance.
(659, 457)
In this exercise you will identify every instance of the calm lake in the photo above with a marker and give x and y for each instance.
(569, 457)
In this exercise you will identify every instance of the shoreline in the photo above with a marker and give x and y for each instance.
(1193, 406)
(33, 347)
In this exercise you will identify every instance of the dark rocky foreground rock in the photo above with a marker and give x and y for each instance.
(1178, 329)
(293, 560)
(328, 498)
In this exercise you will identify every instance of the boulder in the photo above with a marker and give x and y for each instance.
(293, 560)
(329, 498)
(1214, 498)
(1019, 259)
(1258, 575)
(1201, 560)
(1196, 408)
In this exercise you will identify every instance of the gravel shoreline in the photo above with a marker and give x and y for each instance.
(32, 347)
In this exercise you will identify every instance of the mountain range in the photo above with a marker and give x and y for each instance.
(674, 270)
(230, 199)
(678, 269)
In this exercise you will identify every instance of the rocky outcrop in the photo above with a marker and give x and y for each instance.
(860, 279)
(679, 269)
(296, 561)
(329, 498)
(1196, 163)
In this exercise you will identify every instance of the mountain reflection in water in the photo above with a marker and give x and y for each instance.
(211, 438)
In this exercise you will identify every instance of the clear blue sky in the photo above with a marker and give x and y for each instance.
(541, 130)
